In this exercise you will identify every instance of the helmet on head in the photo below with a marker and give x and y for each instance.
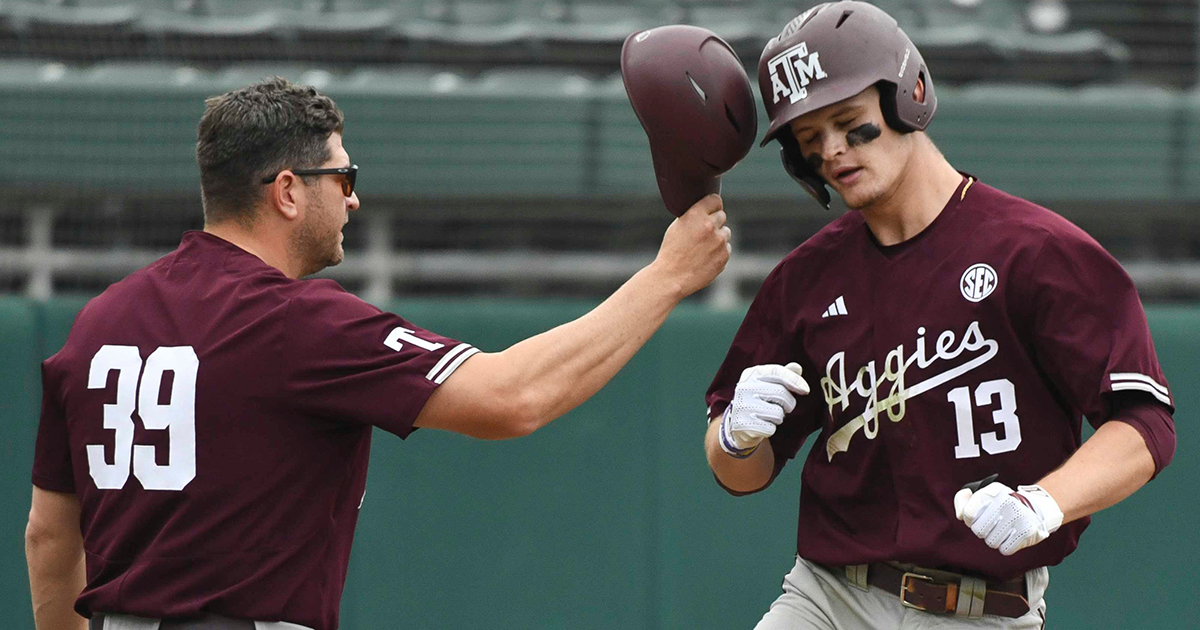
(832, 52)
(693, 98)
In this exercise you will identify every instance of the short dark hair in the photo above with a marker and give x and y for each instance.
(255, 132)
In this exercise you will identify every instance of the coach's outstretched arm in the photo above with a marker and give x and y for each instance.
(515, 392)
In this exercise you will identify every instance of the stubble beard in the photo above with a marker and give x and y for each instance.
(870, 195)
(866, 202)
(315, 247)
(862, 197)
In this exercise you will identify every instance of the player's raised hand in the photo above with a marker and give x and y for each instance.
(764, 395)
(696, 246)
(1008, 521)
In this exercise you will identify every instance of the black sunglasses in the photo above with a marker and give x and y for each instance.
(349, 175)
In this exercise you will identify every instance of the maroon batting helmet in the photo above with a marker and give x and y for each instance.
(830, 53)
(693, 98)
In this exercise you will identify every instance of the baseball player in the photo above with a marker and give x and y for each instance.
(943, 340)
(205, 429)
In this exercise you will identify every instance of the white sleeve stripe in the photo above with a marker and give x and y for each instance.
(446, 359)
(1134, 376)
(454, 366)
(1144, 388)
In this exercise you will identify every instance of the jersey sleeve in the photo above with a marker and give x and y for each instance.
(52, 468)
(1152, 420)
(349, 361)
(764, 338)
(1090, 331)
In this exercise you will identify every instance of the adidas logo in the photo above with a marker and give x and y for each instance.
(837, 308)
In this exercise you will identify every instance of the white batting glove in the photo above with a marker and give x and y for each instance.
(1009, 521)
(764, 394)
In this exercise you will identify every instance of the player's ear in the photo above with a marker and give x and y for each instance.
(283, 196)
(919, 90)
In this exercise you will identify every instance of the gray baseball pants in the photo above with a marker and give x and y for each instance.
(207, 622)
(817, 598)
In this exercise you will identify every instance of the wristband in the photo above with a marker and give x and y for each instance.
(727, 444)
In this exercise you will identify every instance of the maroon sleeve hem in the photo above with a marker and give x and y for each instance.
(54, 485)
(415, 400)
(717, 408)
(1153, 422)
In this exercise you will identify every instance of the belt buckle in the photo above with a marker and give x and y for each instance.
(904, 589)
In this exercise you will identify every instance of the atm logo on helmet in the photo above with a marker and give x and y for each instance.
(792, 70)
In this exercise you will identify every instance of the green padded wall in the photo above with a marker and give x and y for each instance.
(20, 400)
(609, 518)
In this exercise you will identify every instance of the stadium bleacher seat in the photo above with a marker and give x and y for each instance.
(992, 14)
(991, 41)
(76, 29)
(957, 40)
(590, 33)
(494, 22)
(1162, 35)
(486, 32)
(215, 30)
(342, 18)
(593, 21)
(744, 24)
(216, 17)
(346, 31)
(77, 13)
(1064, 58)
(784, 12)
(9, 43)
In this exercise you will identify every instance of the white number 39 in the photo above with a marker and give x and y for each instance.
(178, 416)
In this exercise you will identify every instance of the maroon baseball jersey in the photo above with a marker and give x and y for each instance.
(214, 418)
(975, 347)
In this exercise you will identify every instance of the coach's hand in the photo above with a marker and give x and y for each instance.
(764, 395)
(696, 246)
(1009, 521)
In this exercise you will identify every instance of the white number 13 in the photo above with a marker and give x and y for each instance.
(178, 416)
(1005, 417)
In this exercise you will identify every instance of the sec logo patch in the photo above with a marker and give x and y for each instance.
(978, 282)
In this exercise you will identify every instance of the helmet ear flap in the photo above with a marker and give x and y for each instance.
(888, 105)
(800, 170)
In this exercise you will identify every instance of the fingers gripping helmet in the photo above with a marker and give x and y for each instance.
(693, 98)
(832, 52)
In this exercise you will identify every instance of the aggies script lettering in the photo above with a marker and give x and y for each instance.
(868, 380)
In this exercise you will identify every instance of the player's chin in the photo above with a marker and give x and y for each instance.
(857, 199)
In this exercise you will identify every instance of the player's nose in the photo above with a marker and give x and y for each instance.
(833, 145)
(352, 201)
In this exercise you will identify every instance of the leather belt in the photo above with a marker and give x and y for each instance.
(950, 593)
